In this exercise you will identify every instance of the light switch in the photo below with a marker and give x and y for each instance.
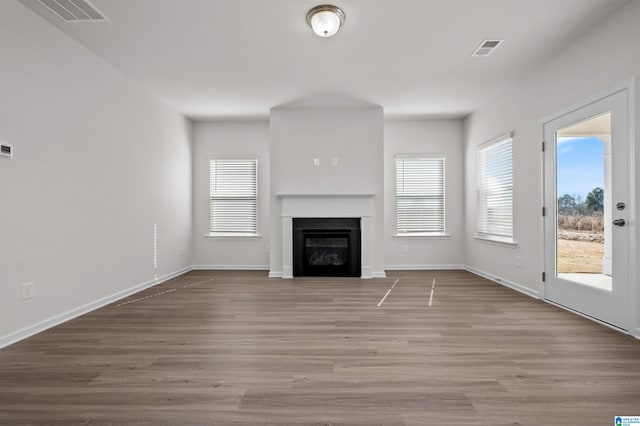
(518, 262)
(316, 161)
(334, 161)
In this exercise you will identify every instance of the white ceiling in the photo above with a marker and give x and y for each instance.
(239, 58)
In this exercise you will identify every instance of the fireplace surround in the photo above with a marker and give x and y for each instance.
(359, 206)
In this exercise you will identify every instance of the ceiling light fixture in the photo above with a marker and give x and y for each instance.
(325, 20)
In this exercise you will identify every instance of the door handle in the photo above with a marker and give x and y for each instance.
(618, 222)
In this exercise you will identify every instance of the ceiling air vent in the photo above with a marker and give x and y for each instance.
(74, 10)
(486, 47)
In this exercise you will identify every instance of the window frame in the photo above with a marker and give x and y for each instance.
(485, 234)
(442, 231)
(235, 233)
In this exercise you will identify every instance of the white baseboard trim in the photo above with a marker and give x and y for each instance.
(231, 267)
(381, 274)
(637, 336)
(422, 267)
(514, 286)
(29, 331)
(275, 274)
(366, 273)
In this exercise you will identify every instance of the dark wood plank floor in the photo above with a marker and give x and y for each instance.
(237, 348)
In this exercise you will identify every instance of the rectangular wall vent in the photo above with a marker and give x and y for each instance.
(486, 47)
(74, 10)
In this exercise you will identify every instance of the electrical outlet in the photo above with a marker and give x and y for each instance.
(405, 248)
(316, 161)
(518, 262)
(334, 161)
(27, 291)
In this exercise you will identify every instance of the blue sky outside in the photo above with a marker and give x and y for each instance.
(580, 165)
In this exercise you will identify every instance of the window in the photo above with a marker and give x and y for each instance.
(495, 190)
(233, 197)
(420, 195)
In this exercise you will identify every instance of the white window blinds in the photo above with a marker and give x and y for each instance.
(233, 196)
(420, 194)
(495, 189)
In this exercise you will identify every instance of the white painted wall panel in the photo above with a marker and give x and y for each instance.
(234, 139)
(425, 137)
(97, 163)
(352, 135)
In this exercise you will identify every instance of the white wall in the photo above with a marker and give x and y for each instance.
(97, 164)
(425, 137)
(353, 135)
(251, 139)
(605, 57)
(248, 139)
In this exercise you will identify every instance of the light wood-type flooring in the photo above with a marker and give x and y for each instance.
(238, 348)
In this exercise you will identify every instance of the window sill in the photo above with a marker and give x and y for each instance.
(430, 235)
(222, 235)
(504, 242)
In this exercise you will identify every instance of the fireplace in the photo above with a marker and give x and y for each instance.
(326, 206)
(328, 247)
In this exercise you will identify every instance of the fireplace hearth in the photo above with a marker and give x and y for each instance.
(326, 247)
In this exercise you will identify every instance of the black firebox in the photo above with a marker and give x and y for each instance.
(326, 247)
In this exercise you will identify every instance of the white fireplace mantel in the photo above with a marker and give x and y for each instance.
(327, 205)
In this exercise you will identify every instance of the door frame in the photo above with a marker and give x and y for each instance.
(630, 87)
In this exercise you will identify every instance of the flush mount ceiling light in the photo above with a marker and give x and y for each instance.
(325, 20)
